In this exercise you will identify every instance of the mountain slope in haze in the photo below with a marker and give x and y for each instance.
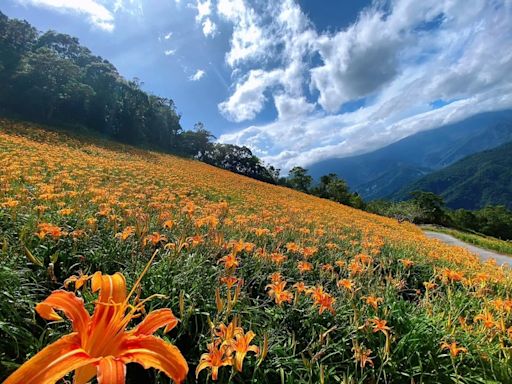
(484, 178)
(387, 170)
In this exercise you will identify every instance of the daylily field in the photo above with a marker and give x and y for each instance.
(115, 259)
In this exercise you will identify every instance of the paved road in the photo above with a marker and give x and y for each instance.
(484, 254)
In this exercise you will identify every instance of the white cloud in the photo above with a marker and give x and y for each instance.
(248, 40)
(204, 10)
(209, 28)
(289, 31)
(248, 98)
(168, 36)
(97, 14)
(198, 75)
(395, 62)
(291, 107)
(169, 52)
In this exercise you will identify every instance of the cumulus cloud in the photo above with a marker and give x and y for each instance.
(249, 98)
(198, 75)
(391, 62)
(248, 40)
(209, 28)
(257, 38)
(204, 10)
(291, 107)
(97, 14)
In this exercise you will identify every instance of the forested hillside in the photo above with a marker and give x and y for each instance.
(474, 182)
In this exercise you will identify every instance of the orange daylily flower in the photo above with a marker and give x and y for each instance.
(292, 247)
(347, 284)
(355, 268)
(215, 358)
(51, 230)
(261, 231)
(229, 281)
(230, 261)
(322, 299)
(79, 281)
(100, 345)
(453, 348)
(126, 233)
(380, 325)
(486, 318)
(362, 355)
(300, 287)
(277, 258)
(449, 275)
(276, 277)
(154, 239)
(168, 224)
(279, 293)
(304, 266)
(240, 345)
(309, 251)
(373, 301)
(195, 240)
(407, 263)
(429, 285)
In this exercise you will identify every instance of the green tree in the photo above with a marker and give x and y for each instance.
(335, 189)
(432, 206)
(495, 221)
(464, 219)
(46, 83)
(299, 179)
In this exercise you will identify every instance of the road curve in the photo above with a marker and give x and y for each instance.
(484, 254)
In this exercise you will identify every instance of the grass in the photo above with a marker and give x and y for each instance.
(333, 294)
(487, 242)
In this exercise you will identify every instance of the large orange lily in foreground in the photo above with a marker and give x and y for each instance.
(100, 345)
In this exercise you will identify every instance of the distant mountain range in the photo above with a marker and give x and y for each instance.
(473, 182)
(387, 171)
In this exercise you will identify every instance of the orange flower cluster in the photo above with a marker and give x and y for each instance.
(229, 347)
(343, 261)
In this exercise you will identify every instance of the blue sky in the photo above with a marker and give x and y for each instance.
(299, 81)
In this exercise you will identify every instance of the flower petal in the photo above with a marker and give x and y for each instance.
(68, 303)
(111, 371)
(155, 320)
(53, 362)
(84, 374)
(202, 365)
(150, 351)
(239, 360)
(111, 287)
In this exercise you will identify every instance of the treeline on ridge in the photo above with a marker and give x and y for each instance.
(51, 78)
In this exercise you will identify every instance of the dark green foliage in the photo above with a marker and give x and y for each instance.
(333, 188)
(431, 206)
(239, 160)
(330, 187)
(299, 179)
(495, 221)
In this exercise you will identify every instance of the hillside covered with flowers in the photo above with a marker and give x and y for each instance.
(201, 274)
